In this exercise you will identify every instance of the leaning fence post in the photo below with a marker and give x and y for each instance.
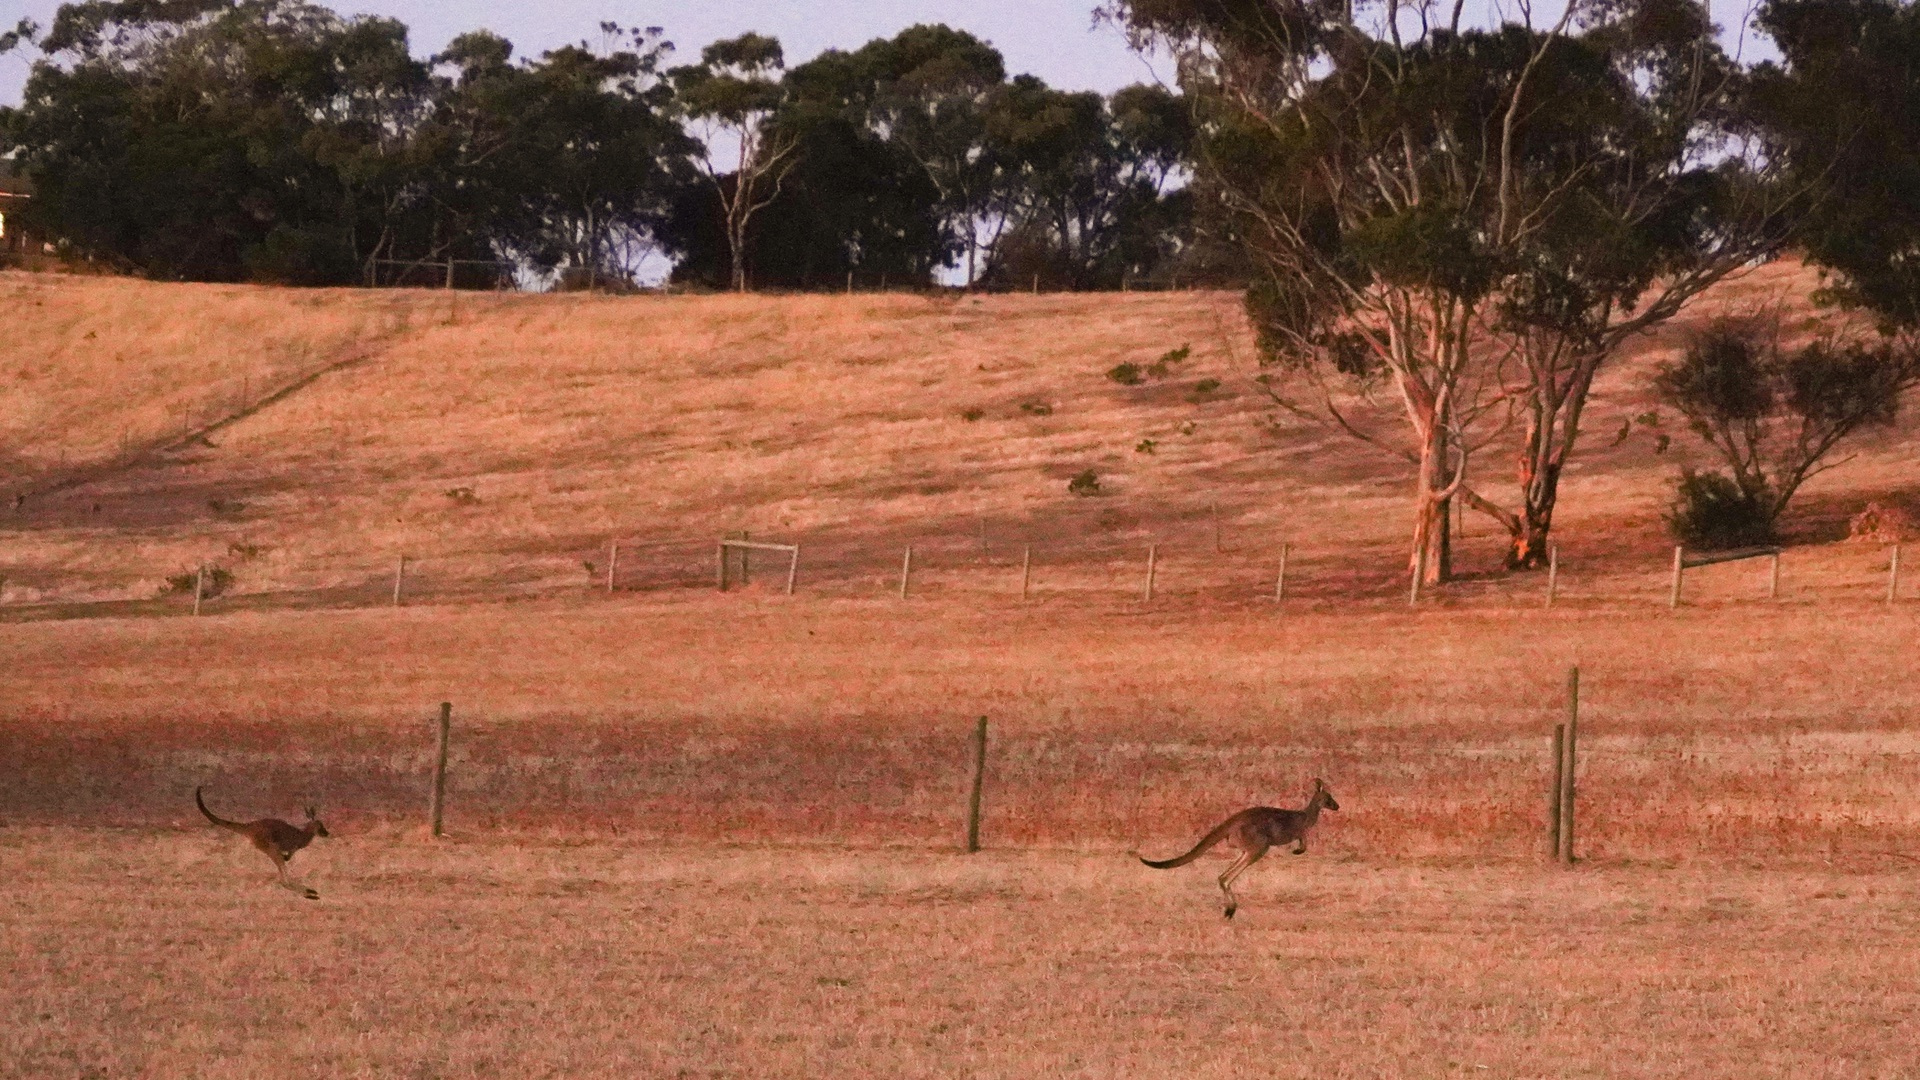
(1153, 555)
(793, 568)
(1569, 767)
(979, 780)
(440, 768)
(399, 579)
(1280, 583)
(1893, 575)
(1553, 793)
(1026, 571)
(199, 587)
(906, 571)
(613, 562)
(1679, 567)
(1553, 571)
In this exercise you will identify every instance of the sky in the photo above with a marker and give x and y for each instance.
(1054, 39)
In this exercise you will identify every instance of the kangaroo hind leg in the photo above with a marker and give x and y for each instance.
(1247, 858)
(286, 881)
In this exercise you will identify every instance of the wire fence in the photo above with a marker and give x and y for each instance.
(1638, 799)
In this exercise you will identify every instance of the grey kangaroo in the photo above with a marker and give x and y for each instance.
(1253, 831)
(276, 839)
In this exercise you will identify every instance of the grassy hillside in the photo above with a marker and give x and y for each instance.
(501, 441)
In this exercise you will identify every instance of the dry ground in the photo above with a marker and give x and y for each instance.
(135, 954)
(711, 833)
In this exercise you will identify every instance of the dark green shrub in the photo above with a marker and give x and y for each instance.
(1126, 374)
(219, 580)
(1711, 511)
(1084, 483)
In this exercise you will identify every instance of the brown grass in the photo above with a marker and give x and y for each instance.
(1746, 804)
(136, 954)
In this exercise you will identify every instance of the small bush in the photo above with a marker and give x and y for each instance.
(1037, 408)
(1159, 368)
(971, 415)
(1126, 374)
(462, 496)
(1145, 446)
(1206, 386)
(1085, 483)
(219, 580)
(1711, 511)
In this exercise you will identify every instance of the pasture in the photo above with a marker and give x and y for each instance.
(718, 835)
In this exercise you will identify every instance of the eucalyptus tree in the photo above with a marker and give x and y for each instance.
(1460, 224)
(731, 96)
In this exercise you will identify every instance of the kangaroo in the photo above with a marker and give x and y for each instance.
(276, 839)
(1253, 831)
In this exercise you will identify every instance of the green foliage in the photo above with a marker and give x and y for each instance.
(1711, 511)
(1126, 374)
(217, 581)
(1775, 415)
(1145, 446)
(1168, 360)
(1084, 483)
(1842, 109)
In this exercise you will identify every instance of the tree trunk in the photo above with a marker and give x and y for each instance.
(1432, 554)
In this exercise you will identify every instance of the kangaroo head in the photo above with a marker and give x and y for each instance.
(1323, 795)
(313, 821)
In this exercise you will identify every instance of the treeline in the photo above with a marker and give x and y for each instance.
(277, 141)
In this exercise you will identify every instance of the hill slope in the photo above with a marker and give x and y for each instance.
(503, 440)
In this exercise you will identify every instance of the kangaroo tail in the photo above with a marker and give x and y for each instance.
(202, 804)
(1218, 834)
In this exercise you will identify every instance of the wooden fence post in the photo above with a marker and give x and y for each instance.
(1280, 583)
(906, 571)
(1893, 575)
(1559, 771)
(793, 568)
(1026, 571)
(979, 781)
(1569, 768)
(199, 587)
(1679, 568)
(613, 562)
(399, 579)
(440, 768)
(1153, 556)
(1553, 571)
(1773, 579)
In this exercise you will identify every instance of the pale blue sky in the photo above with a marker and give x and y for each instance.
(1054, 39)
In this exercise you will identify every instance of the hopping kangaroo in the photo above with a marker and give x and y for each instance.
(276, 839)
(1253, 831)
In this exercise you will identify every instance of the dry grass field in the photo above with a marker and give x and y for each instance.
(140, 955)
(716, 835)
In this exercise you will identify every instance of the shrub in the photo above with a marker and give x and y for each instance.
(1145, 446)
(1711, 511)
(1206, 386)
(1037, 408)
(1159, 368)
(973, 414)
(219, 580)
(462, 496)
(1084, 483)
(1127, 374)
